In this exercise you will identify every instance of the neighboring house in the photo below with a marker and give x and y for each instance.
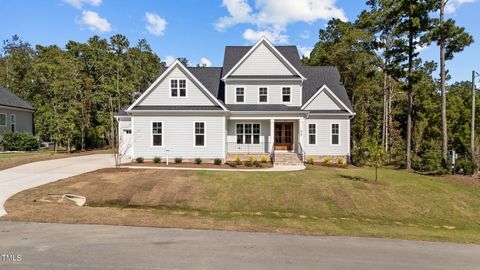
(263, 101)
(15, 113)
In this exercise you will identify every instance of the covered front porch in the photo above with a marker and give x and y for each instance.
(257, 135)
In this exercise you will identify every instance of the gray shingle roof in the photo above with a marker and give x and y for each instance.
(177, 108)
(7, 98)
(233, 54)
(318, 76)
(263, 107)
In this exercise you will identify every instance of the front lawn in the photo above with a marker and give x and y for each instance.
(319, 200)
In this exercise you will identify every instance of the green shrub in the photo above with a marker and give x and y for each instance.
(178, 160)
(264, 159)
(20, 141)
(238, 161)
(217, 161)
(327, 160)
(341, 161)
(465, 166)
(157, 160)
(250, 161)
(311, 160)
(139, 159)
(198, 161)
(257, 163)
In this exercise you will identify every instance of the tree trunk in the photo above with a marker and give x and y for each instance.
(411, 44)
(389, 115)
(442, 86)
(385, 108)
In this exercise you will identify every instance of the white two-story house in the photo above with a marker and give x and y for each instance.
(263, 101)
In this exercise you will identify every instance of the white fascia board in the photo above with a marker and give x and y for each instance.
(325, 88)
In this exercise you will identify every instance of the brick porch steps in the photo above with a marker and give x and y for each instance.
(287, 159)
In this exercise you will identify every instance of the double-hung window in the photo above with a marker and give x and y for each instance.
(312, 133)
(199, 134)
(335, 134)
(157, 134)
(178, 88)
(248, 133)
(3, 119)
(263, 94)
(240, 95)
(286, 94)
(12, 122)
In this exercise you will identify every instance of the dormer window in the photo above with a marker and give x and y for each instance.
(240, 95)
(262, 94)
(178, 88)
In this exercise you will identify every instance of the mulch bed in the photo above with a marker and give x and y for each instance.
(199, 166)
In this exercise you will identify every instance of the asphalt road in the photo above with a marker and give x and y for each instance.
(34, 174)
(58, 246)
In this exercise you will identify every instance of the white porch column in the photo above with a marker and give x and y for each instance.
(272, 135)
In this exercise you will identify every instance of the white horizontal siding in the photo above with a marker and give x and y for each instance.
(178, 137)
(274, 92)
(262, 61)
(161, 94)
(323, 102)
(323, 145)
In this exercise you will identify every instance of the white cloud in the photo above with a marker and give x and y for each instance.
(169, 60)
(155, 24)
(452, 5)
(95, 22)
(305, 34)
(204, 62)
(79, 3)
(305, 51)
(273, 16)
(274, 36)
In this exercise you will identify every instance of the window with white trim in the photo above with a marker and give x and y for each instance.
(240, 95)
(248, 133)
(3, 119)
(157, 134)
(335, 134)
(12, 122)
(178, 88)
(312, 133)
(199, 134)
(286, 94)
(262, 94)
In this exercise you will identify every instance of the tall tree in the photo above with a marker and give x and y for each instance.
(414, 23)
(451, 39)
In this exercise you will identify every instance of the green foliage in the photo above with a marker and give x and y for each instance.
(250, 161)
(465, 166)
(311, 160)
(178, 160)
(238, 161)
(264, 159)
(157, 160)
(198, 161)
(342, 161)
(326, 160)
(19, 141)
(140, 159)
(217, 161)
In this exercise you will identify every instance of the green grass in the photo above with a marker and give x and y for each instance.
(339, 201)
(319, 200)
(21, 154)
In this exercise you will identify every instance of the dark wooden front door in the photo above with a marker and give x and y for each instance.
(284, 136)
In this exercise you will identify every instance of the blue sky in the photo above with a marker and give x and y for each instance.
(199, 29)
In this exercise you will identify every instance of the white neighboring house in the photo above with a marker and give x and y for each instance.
(263, 101)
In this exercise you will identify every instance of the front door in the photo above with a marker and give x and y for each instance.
(284, 136)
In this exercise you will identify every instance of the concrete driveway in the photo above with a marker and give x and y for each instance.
(34, 174)
(63, 246)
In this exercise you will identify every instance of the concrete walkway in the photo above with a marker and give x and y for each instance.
(63, 246)
(34, 174)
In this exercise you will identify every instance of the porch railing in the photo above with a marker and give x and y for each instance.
(250, 148)
(301, 152)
